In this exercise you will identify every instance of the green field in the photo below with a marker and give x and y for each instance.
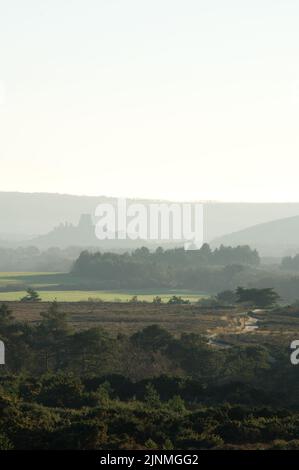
(13, 286)
(106, 296)
(31, 278)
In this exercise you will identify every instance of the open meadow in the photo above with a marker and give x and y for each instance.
(120, 317)
(60, 287)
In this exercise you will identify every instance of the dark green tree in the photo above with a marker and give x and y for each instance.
(262, 298)
(32, 296)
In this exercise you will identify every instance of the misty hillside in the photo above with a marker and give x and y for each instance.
(83, 235)
(28, 216)
(279, 237)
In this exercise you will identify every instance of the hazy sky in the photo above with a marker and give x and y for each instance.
(177, 99)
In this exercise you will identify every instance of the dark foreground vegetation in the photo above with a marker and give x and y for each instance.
(64, 388)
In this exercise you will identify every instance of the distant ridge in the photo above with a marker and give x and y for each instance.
(27, 216)
(278, 237)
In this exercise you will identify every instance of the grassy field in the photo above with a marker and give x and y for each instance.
(13, 286)
(106, 296)
(26, 279)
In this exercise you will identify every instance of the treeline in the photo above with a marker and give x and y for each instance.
(166, 268)
(57, 259)
(30, 258)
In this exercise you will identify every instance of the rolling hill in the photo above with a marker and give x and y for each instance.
(276, 238)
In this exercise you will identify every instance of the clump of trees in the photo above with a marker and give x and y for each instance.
(253, 297)
(32, 296)
(178, 300)
(257, 297)
(202, 269)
